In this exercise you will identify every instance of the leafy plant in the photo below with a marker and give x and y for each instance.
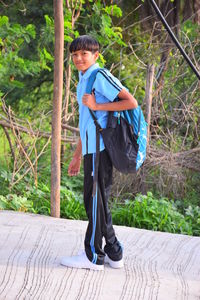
(145, 211)
(150, 213)
(13, 67)
(72, 205)
(27, 197)
(17, 203)
(192, 216)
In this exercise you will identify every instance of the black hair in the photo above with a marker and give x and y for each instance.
(84, 42)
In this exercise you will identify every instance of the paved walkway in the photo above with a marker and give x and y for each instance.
(157, 265)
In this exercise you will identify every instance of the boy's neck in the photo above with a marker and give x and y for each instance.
(83, 72)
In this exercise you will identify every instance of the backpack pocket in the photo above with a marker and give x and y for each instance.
(121, 144)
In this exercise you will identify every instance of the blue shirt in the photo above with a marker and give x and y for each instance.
(107, 87)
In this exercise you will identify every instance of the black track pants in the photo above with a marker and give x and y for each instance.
(99, 216)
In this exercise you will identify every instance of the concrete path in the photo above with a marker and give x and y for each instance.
(157, 265)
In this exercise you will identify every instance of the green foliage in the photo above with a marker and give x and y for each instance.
(101, 24)
(47, 33)
(72, 205)
(25, 196)
(69, 32)
(17, 203)
(145, 211)
(13, 65)
(192, 214)
(45, 57)
(113, 10)
(156, 214)
(191, 30)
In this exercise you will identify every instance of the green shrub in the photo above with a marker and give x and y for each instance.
(145, 211)
(71, 205)
(150, 213)
(192, 216)
(17, 203)
(26, 196)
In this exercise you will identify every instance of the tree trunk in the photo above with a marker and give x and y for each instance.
(57, 107)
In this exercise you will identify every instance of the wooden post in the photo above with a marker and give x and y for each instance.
(57, 107)
(148, 98)
(148, 101)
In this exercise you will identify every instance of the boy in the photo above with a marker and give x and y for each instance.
(85, 52)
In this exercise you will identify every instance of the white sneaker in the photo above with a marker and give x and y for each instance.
(80, 262)
(114, 264)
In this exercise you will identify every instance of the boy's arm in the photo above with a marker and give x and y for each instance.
(74, 166)
(127, 101)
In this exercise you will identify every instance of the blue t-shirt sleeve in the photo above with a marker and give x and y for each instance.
(107, 85)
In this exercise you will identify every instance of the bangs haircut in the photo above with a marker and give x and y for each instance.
(84, 42)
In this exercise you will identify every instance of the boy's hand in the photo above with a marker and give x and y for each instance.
(90, 101)
(74, 166)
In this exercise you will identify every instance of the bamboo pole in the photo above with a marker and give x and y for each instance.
(57, 107)
(148, 98)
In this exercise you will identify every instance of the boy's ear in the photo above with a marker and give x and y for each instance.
(96, 55)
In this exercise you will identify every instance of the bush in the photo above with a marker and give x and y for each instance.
(17, 203)
(145, 211)
(193, 217)
(71, 205)
(153, 214)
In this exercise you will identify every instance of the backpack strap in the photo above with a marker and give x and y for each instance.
(89, 90)
(91, 81)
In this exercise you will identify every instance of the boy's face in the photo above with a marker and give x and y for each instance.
(83, 59)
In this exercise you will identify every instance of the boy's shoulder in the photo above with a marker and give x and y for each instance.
(104, 72)
(105, 75)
